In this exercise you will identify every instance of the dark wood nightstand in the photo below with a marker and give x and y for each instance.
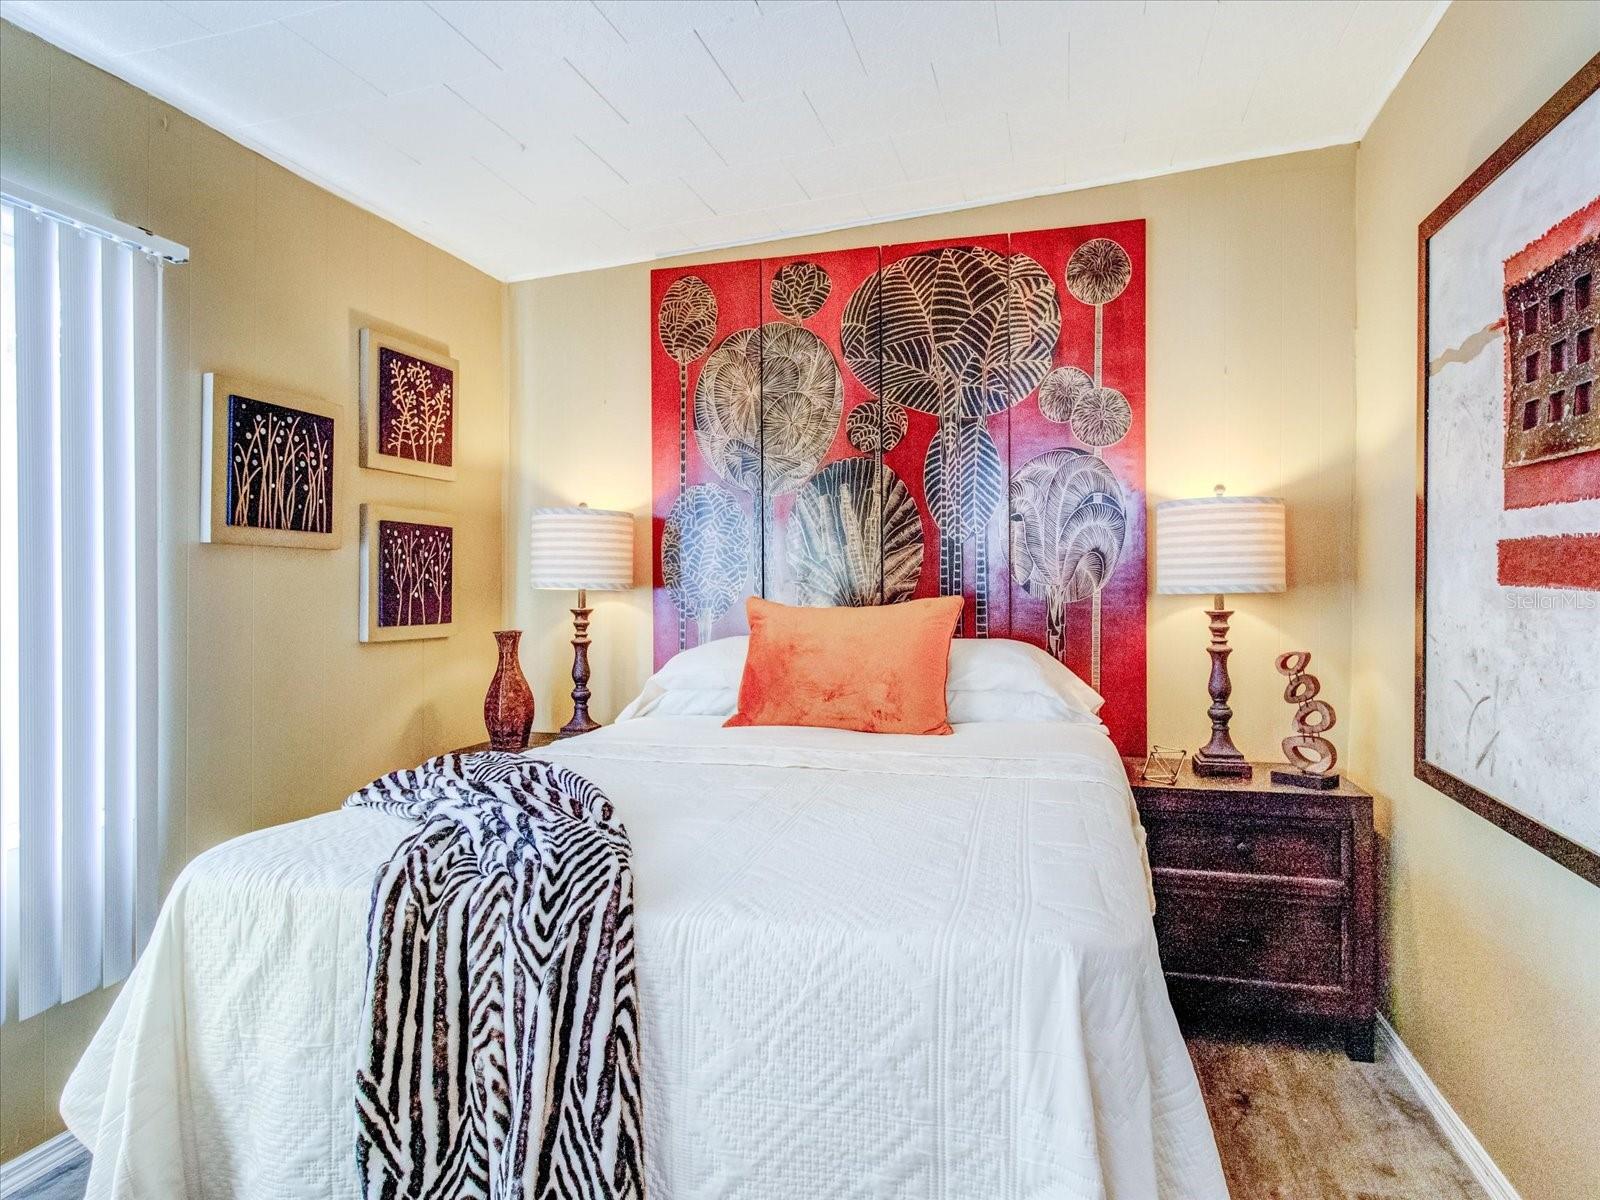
(1266, 898)
(535, 741)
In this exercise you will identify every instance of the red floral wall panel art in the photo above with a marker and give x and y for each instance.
(826, 530)
(1077, 505)
(933, 344)
(703, 524)
(869, 426)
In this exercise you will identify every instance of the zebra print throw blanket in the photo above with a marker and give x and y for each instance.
(501, 1059)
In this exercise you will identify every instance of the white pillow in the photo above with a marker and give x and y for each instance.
(973, 708)
(1001, 679)
(991, 679)
(702, 681)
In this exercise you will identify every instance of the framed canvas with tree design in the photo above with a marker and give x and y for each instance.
(1508, 478)
(408, 406)
(407, 574)
(269, 467)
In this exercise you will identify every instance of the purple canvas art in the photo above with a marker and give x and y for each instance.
(414, 574)
(416, 408)
(280, 467)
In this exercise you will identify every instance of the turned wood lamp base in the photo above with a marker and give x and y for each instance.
(581, 721)
(1220, 757)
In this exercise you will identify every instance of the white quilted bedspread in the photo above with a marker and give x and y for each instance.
(870, 966)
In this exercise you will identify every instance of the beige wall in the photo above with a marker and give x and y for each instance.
(1496, 950)
(1258, 273)
(1251, 304)
(273, 709)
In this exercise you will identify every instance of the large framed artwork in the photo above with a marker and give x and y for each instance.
(408, 406)
(407, 574)
(268, 465)
(874, 425)
(1508, 514)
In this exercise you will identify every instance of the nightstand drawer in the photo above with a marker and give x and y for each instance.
(1245, 847)
(1251, 938)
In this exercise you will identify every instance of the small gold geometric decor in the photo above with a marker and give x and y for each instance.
(1163, 764)
(1307, 750)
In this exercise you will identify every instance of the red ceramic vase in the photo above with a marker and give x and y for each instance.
(508, 708)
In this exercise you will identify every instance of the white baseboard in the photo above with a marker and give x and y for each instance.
(1462, 1140)
(33, 1165)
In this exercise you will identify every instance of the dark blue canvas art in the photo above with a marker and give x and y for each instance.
(280, 467)
(414, 574)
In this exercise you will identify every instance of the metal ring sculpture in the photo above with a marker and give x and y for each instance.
(1307, 749)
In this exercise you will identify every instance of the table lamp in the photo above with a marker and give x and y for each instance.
(584, 550)
(1220, 544)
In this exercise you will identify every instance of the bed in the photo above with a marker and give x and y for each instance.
(870, 966)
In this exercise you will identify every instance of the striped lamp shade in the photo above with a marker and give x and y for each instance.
(1219, 545)
(581, 548)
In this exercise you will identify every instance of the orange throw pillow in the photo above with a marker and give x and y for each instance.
(878, 669)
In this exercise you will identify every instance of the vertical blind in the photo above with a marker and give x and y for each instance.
(78, 461)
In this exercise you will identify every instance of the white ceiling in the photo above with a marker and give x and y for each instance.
(539, 138)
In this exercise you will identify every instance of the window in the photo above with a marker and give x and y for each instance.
(1550, 364)
(79, 346)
